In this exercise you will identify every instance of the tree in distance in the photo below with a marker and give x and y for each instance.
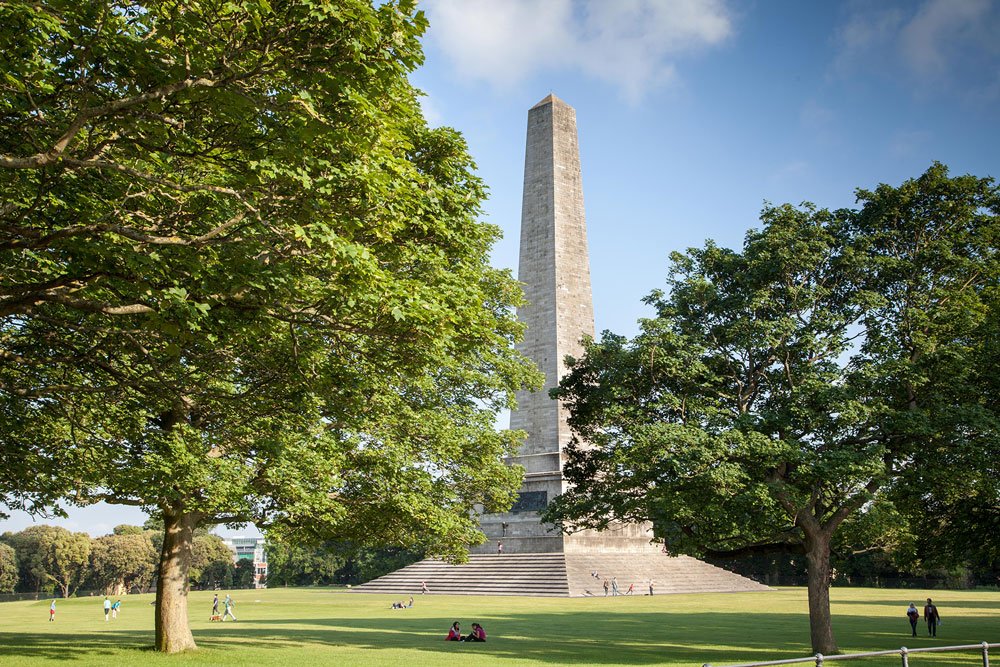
(242, 280)
(52, 556)
(122, 562)
(829, 376)
(9, 569)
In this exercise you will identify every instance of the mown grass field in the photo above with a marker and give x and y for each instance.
(302, 627)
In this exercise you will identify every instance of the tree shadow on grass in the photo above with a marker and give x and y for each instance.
(87, 646)
(639, 638)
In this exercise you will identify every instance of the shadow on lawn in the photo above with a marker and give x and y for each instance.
(639, 638)
(85, 645)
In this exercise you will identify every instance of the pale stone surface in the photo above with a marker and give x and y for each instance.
(554, 268)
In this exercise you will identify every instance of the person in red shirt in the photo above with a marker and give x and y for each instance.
(454, 634)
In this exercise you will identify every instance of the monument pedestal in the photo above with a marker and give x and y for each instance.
(555, 272)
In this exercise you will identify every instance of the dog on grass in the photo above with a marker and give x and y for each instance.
(215, 617)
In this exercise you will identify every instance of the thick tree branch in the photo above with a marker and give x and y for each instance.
(58, 149)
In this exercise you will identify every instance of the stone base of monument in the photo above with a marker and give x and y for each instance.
(578, 574)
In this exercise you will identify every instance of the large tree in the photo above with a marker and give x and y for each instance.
(242, 280)
(832, 370)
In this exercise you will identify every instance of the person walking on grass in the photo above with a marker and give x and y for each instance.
(228, 605)
(605, 588)
(52, 610)
(614, 586)
(107, 608)
(913, 615)
(932, 617)
(215, 605)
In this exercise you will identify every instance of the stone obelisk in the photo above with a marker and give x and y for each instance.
(554, 269)
(537, 559)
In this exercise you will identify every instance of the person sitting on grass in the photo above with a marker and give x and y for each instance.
(454, 634)
(477, 634)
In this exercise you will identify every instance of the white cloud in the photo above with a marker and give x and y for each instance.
(629, 43)
(928, 41)
(865, 33)
(432, 114)
(793, 170)
(931, 43)
(907, 143)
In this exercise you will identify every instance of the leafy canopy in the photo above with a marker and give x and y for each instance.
(831, 371)
(240, 278)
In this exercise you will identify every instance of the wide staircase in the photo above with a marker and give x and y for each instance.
(561, 575)
(667, 574)
(508, 574)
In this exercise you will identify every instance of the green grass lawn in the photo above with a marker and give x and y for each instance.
(303, 627)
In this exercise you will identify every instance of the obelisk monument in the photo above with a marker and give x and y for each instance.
(537, 559)
(554, 269)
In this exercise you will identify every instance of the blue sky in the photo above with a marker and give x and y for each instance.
(693, 113)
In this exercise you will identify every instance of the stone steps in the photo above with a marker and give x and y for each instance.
(668, 574)
(561, 575)
(514, 574)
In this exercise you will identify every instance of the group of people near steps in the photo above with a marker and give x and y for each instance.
(931, 617)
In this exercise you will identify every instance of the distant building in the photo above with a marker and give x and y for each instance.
(251, 549)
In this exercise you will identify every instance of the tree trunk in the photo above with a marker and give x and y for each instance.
(820, 624)
(173, 634)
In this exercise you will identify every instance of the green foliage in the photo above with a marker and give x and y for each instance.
(259, 278)
(52, 556)
(123, 562)
(241, 280)
(243, 574)
(307, 626)
(9, 573)
(832, 370)
(303, 564)
(211, 563)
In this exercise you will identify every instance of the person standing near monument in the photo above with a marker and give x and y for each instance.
(932, 617)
